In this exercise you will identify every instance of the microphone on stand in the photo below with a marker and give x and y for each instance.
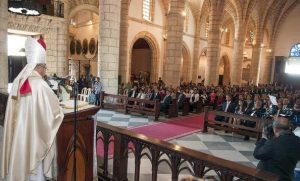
(75, 92)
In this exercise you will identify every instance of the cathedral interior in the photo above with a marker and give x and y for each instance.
(208, 42)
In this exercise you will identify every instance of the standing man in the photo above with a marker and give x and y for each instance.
(98, 88)
(33, 117)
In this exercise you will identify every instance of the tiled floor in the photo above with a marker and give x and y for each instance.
(217, 143)
(227, 146)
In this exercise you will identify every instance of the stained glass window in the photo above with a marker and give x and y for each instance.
(295, 51)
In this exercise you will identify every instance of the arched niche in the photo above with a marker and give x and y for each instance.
(185, 70)
(224, 70)
(153, 45)
(83, 29)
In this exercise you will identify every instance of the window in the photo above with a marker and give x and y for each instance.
(206, 29)
(185, 14)
(249, 41)
(295, 51)
(147, 9)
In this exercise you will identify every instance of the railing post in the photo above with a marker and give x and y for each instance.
(102, 99)
(199, 169)
(137, 155)
(120, 158)
(225, 176)
(206, 109)
(175, 164)
(154, 162)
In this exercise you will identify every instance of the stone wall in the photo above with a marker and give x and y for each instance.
(54, 30)
(3, 46)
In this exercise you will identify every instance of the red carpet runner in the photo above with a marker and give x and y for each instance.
(167, 130)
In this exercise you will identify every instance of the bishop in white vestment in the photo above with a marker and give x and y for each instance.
(32, 119)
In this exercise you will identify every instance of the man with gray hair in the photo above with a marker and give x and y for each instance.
(279, 154)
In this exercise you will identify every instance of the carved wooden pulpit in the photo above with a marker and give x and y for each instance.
(84, 145)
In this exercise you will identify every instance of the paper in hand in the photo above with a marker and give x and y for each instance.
(273, 100)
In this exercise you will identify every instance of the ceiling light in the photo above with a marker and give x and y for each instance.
(27, 7)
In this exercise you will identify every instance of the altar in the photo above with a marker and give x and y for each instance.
(85, 149)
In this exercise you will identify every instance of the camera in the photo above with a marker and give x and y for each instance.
(268, 130)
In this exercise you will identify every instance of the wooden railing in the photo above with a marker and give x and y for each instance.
(3, 102)
(255, 131)
(178, 158)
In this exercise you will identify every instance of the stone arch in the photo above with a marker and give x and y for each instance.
(186, 67)
(150, 39)
(224, 61)
(88, 59)
(81, 7)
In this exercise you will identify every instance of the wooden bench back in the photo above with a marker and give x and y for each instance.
(241, 129)
(144, 106)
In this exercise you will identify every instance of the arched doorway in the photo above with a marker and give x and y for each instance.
(141, 61)
(185, 65)
(83, 41)
(224, 70)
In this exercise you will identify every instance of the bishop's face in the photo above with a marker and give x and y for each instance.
(41, 69)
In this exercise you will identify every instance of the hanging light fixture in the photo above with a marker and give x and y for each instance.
(27, 7)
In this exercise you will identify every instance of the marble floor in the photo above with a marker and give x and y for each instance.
(217, 143)
(228, 146)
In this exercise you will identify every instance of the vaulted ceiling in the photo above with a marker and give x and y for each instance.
(265, 14)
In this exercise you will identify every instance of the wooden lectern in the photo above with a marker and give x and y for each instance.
(84, 145)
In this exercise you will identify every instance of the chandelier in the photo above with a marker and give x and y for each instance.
(27, 7)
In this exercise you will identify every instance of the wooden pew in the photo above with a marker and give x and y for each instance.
(130, 104)
(199, 107)
(255, 132)
(173, 110)
(186, 107)
(111, 101)
(139, 106)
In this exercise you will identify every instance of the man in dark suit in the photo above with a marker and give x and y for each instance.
(156, 94)
(133, 93)
(227, 106)
(165, 103)
(280, 154)
(180, 99)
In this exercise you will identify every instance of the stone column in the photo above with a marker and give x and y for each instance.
(195, 64)
(109, 39)
(124, 41)
(171, 73)
(255, 63)
(62, 48)
(3, 45)
(267, 68)
(214, 40)
(237, 62)
(256, 50)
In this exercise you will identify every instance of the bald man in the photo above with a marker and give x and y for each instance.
(280, 154)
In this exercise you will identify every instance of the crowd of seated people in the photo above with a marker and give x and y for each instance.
(65, 86)
(245, 100)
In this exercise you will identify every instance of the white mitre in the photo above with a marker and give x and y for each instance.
(35, 51)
